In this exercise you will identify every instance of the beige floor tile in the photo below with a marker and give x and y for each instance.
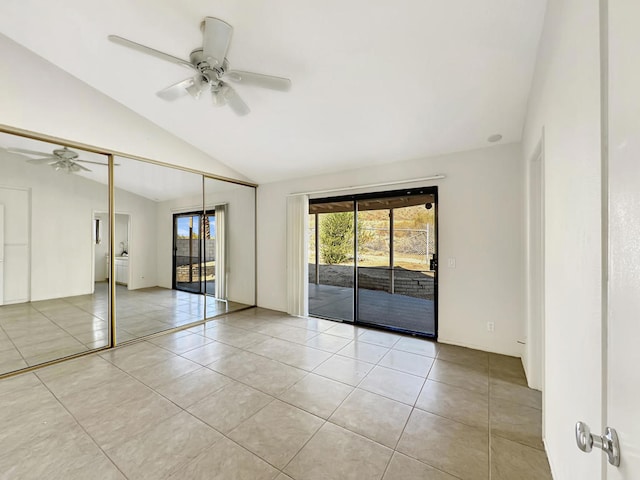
(116, 425)
(193, 387)
(236, 337)
(277, 432)
(377, 337)
(460, 376)
(402, 467)
(136, 356)
(38, 418)
(210, 353)
(20, 401)
(293, 354)
(158, 451)
(328, 343)
(336, 453)
(93, 336)
(345, 330)
(11, 363)
(464, 356)
(407, 362)
(294, 334)
(273, 377)
(317, 395)
(20, 382)
(507, 368)
(514, 392)
(181, 344)
(238, 364)
(450, 446)
(230, 406)
(225, 460)
(344, 369)
(315, 324)
(92, 401)
(66, 344)
(419, 346)
(516, 422)
(377, 418)
(455, 403)
(393, 384)
(74, 376)
(56, 354)
(363, 351)
(510, 460)
(164, 371)
(70, 455)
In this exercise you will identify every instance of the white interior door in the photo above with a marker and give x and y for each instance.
(1, 254)
(623, 396)
(16, 256)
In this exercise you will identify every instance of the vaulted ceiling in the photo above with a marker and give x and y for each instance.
(374, 81)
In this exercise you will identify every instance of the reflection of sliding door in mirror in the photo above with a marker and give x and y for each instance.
(54, 240)
(194, 251)
(228, 246)
(150, 197)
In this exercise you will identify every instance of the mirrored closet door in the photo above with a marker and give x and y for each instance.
(54, 247)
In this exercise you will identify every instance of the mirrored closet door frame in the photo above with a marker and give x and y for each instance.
(110, 155)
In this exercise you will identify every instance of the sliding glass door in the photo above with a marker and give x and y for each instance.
(194, 252)
(373, 260)
(332, 260)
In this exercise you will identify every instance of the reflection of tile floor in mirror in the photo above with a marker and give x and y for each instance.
(260, 395)
(38, 332)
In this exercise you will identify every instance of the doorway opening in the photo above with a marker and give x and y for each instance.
(373, 259)
(194, 249)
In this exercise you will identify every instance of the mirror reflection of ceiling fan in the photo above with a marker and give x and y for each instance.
(211, 69)
(61, 159)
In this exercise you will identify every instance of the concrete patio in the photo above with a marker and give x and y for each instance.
(375, 307)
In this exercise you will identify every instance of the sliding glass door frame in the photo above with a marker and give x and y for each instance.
(433, 263)
(201, 214)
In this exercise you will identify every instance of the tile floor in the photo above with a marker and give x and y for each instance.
(37, 332)
(259, 395)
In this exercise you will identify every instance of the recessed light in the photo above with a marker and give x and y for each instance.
(495, 138)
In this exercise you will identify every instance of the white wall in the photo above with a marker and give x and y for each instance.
(62, 246)
(122, 232)
(565, 101)
(38, 96)
(480, 225)
(142, 230)
(61, 226)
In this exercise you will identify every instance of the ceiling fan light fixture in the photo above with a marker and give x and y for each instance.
(211, 68)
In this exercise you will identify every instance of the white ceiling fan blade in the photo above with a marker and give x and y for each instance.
(28, 152)
(234, 101)
(149, 51)
(76, 167)
(216, 39)
(199, 83)
(38, 161)
(176, 90)
(259, 80)
(218, 99)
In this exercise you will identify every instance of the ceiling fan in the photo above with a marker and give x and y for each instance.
(211, 69)
(61, 159)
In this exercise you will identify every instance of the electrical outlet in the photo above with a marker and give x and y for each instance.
(491, 326)
(452, 263)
